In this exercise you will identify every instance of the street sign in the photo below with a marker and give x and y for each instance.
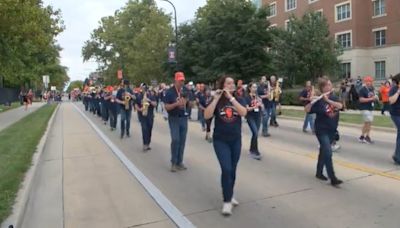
(171, 55)
(46, 80)
(53, 88)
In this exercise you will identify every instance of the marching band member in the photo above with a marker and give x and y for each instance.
(254, 109)
(394, 101)
(263, 92)
(176, 103)
(228, 111)
(124, 98)
(145, 104)
(326, 107)
(275, 93)
(305, 97)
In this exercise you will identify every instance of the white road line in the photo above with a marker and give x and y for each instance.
(173, 213)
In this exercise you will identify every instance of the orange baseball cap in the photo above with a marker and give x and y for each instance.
(179, 76)
(368, 79)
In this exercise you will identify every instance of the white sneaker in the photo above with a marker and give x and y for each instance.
(227, 209)
(335, 147)
(234, 202)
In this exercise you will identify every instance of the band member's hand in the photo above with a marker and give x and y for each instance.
(218, 94)
(228, 94)
(182, 103)
(325, 97)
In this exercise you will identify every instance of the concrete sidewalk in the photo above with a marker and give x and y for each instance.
(79, 183)
(11, 116)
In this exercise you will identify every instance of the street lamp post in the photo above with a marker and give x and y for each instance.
(176, 29)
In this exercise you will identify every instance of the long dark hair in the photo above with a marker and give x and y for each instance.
(248, 90)
(396, 79)
(220, 85)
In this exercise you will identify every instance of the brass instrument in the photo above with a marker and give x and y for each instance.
(277, 91)
(270, 93)
(145, 104)
(127, 100)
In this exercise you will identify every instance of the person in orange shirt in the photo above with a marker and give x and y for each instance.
(384, 91)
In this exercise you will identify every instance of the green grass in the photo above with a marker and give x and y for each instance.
(379, 121)
(17, 145)
(6, 108)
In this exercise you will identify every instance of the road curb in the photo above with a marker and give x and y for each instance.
(382, 129)
(18, 211)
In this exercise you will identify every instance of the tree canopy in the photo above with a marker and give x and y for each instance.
(134, 39)
(28, 48)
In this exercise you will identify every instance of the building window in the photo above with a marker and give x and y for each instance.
(320, 13)
(311, 1)
(345, 70)
(344, 39)
(380, 70)
(379, 7)
(272, 10)
(380, 38)
(343, 11)
(290, 4)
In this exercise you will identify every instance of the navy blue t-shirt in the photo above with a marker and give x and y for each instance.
(121, 96)
(367, 93)
(394, 108)
(261, 91)
(251, 102)
(327, 116)
(139, 99)
(305, 94)
(202, 99)
(228, 122)
(171, 97)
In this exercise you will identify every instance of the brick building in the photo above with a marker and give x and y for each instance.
(368, 30)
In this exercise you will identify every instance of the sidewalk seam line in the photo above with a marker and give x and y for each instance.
(165, 204)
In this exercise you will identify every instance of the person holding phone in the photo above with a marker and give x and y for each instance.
(326, 107)
(254, 110)
(176, 104)
(227, 109)
(394, 101)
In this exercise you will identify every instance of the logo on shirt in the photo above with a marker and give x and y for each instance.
(228, 114)
(330, 111)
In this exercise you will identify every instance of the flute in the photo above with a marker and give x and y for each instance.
(320, 97)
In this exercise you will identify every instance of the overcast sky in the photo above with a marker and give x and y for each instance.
(82, 16)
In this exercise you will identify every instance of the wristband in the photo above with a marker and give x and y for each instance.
(232, 99)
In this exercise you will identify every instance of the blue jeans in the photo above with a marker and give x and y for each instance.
(113, 116)
(309, 119)
(228, 154)
(201, 119)
(125, 121)
(396, 120)
(178, 127)
(265, 121)
(325, 154)
(254, 124)
(147, 128)
(273, 112)
(104, 112)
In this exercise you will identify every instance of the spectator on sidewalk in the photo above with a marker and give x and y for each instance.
(394, 99)
(367, 101)
(384, 92)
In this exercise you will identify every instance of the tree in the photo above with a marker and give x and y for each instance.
(75, 84)
(305, 50)
(226, 37)
(135, 39)
(28, 48)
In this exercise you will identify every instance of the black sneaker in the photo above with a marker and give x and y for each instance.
(397, 162)
(321, 177)
(368, 140)
(336, 182)
(362, 139)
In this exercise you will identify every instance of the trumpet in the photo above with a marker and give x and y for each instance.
(127, 100)
(145, 104)
(277, 91)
